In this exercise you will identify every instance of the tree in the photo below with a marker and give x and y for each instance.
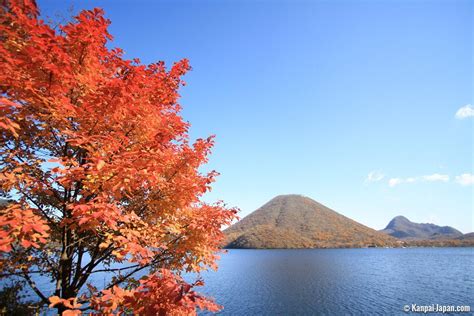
(12, 302)
(99, 169)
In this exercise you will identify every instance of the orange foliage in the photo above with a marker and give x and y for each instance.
(21, 225)
(98, 164)
(147, 299)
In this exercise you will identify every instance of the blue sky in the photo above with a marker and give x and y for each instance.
(311, 97)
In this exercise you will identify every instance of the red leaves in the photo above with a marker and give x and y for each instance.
(21, 226)
(55, 300)
(95, 215)
(158, 294)
(98, 145)
(7, 108)
(70, 303)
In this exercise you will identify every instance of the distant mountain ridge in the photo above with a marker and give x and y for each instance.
(402, 228)
(295, 221)
(468, 236)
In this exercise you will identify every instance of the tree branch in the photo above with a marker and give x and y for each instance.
(33, 286)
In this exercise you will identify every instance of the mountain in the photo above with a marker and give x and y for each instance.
(402, 228)
(468, 236)
(295, 221)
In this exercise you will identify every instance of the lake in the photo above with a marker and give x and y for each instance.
(335, 281)
(341, 281)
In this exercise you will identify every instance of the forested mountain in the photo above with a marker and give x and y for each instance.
(295, 221)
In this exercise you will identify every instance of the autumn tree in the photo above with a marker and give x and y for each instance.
(99, 171)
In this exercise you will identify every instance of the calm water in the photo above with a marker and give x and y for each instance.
(341, 281)
(335, 281)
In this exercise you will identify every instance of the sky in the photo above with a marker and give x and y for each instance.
(365, 106)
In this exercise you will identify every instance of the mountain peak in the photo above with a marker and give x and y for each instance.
(289, 197)
(396, 221)
(296, 221)
(400, 218)
(401, 227)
